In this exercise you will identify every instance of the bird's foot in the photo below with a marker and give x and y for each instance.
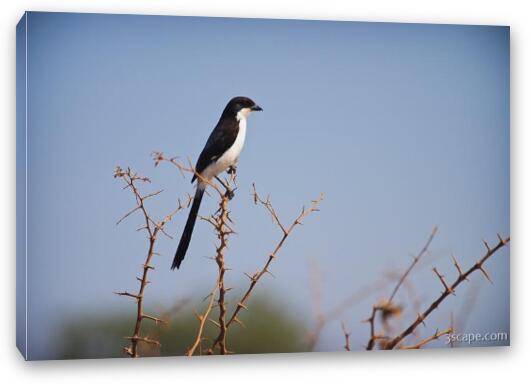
(229, 193)
(231, 170)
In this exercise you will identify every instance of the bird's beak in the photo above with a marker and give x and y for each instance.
(256, 108)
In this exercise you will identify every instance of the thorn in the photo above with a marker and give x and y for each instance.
(502, 240)
(207, 296)
(199, 317)
(480, 267)
(127, 294)
(421, 319)
(267, 271)
(441, 278)
(239, 322)
(487, 246)
(456, 264)
(214, 322)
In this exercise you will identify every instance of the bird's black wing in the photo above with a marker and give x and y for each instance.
(219, 141)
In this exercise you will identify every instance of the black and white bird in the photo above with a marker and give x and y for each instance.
(220, 153)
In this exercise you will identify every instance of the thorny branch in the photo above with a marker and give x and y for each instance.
(153, 229)
(222, 224)
(220, 221)
(386, 307)
(412, 265)
(428, 339)
(159, 157)
(265, 269)
(448, 289)
(202, 321)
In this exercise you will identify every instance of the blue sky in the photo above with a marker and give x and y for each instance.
(402, 126)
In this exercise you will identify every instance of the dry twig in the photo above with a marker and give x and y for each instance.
(265, 269)
(347, 337)
(221, 223)
(412, 265)
(202, 321)
(387, 307)
(153, 229)
(449, 289)
(159, 157)
(428, 339)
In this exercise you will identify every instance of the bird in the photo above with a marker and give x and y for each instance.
(221, 152)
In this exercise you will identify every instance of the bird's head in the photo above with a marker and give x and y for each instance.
(241, 106)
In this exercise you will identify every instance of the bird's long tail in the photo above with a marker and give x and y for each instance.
(188, 229)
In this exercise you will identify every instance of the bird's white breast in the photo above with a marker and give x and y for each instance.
(230, 157)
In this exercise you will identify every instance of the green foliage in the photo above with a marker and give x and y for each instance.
(268, 329)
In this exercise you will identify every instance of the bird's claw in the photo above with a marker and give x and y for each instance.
(231, 170)
(229, 193)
